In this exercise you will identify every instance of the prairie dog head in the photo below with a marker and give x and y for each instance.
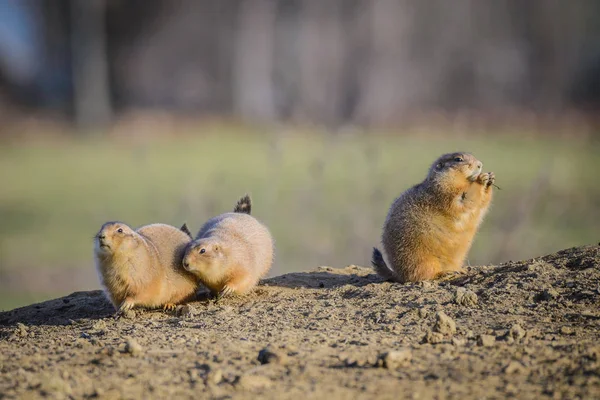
(204, 258)
(115, 237)
(453, 166)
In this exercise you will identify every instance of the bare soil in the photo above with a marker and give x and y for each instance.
(527, 329)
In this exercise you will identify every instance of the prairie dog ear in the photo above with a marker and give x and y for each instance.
(439, 165)
(216, 248)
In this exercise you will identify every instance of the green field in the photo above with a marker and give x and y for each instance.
(323, 196)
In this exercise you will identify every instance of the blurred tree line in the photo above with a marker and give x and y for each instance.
(331, 61)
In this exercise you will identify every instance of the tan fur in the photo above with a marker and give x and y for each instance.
(143, 267)
(430, 227)
(230, 253)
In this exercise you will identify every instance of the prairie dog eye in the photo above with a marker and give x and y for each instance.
(458, 159)
(202, 251)
(120, 230)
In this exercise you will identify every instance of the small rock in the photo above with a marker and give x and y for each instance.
(422, 313)
(486, 340)
(426, 284)
(215, 376)
(185, 311)
(517, 332)
(254, 382)
(396, 358)
(21, 329)
(459, 341)
(133, 347)
(99, 325)
(465, 297)
(514, 367)
(444, 324)
(433, 337)
(567, 330)
(269, 355)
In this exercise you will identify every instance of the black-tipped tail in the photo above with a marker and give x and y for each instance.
(381, 267)
(244, 205)
(184, 228)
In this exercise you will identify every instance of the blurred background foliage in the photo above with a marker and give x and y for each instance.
(168, 111)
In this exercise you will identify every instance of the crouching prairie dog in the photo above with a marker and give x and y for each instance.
(231, 252)
(430, 227)
(143, 267)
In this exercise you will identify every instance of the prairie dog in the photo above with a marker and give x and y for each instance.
(430, 227)
(231, 252)
(143, 267)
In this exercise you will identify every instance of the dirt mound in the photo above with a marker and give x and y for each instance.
(525, 329)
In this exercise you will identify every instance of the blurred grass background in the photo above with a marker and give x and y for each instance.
(324, 196)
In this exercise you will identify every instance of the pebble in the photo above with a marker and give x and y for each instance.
(444, 324)
(133, 347)
(459, 341)
(185, 311)
(517, 332)
(465, 297)
(433, 337)
(567, 330)
(99, 326)
(486, 340)
(422, 313)
(269, 355)
(426, 284)
(215, 376)
(21, 329)
(396, 358)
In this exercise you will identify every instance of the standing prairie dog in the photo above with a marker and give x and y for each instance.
(231, 252)
(143, 267)
(430, 227)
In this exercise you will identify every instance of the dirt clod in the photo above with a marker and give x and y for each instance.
(517, 332)
(433, 337)
(465, 297)
(486, 340)
(396, 358)
(133, 347)
(444, 324)
(21, 330)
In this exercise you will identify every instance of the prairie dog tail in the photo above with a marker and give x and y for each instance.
(184, 228)
(244, 205)
(381, 267)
